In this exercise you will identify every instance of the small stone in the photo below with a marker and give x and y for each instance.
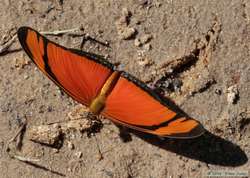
(21, 62)
(106, 56)
(121, 22)
(78, 154)
(199, 165)
(71, 145)
(147, 47)
(127, 33)
(180, 176)
(185, 160)
(6, 107)
(137, 42)
(218, 91)
(25, 77)
(44, 134)
(49, 109)
(124, 31)
(193, 168)
(164, 84)
(157, 4)
(140, 54)
(145, 38)
(125, 12)
(233, 94)
(124, 19)
(145, 62)
(182, 165)
(55, 150)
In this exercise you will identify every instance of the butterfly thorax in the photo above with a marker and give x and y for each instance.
(98, 103)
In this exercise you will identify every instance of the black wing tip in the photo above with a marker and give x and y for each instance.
(22, 33)
(22, 30)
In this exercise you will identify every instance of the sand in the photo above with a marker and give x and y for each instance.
(197, 53)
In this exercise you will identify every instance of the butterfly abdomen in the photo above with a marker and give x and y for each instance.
(98, 103)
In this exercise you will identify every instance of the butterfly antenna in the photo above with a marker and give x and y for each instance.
(87, 37)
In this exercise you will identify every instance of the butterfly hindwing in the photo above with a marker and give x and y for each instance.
(131, 105)
(80, 76)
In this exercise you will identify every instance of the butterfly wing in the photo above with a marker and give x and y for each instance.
(82, 76)
(140, 109)
(79, 75)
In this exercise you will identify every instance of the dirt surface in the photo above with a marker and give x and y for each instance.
(195, 52)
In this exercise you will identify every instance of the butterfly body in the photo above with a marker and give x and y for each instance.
(115, 94)
(98, 103)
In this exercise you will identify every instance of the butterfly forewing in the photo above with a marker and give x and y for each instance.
(81, 77)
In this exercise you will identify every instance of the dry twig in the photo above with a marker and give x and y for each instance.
(18, 133)
(60, 32)
(100, 155)
(24, 159)
(5, 47)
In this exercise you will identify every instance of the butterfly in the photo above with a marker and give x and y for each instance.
(94, 82)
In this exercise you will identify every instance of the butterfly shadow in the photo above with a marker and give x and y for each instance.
(208, 148)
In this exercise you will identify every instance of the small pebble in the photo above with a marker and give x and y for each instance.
(78, 154)
(125, 12)
(21, 62)
(147, 47)
(71, 145)
(157, 4)
(122, 22)
(55, 150)
(144, 62)
(25, 77)
(44, 134)
(145, 38)
(49, 109)
(137, 42)
(126, 33)
(218, 91)
(233, 94)
(182, 165)
(193, 168)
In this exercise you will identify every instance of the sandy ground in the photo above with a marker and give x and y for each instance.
(207, 43)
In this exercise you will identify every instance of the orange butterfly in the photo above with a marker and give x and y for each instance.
(114, 94)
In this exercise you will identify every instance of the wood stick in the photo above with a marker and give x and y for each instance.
(60, 32)
(4, 48)
(24, 159)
